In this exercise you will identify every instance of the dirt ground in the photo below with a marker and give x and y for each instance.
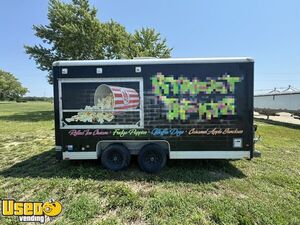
(283, 117)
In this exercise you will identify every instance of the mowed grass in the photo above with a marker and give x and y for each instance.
(262, 191)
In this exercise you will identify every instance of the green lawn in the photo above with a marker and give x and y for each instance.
(262, 191)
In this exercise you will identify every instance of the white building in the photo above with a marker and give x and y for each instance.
(288, 101)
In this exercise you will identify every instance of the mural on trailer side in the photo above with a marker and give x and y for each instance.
(183, 99)
(108, 101)
(181, 96)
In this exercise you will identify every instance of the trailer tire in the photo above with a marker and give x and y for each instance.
(115, 157)
(152, 158)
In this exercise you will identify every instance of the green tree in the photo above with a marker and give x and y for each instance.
(115, 40)
(147, 42)
(10, 87)
(74, 32)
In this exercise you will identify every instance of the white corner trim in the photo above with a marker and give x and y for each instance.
(209, 154)
(79, 155)
(151, 61)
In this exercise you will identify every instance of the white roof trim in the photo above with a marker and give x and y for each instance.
(280, 93)
(151, 61)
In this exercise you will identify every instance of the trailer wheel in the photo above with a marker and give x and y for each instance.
(115, 157)
(152, 158)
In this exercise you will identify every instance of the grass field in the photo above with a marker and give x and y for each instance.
(262, 191)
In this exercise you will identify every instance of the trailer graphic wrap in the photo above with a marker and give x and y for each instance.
(107, 98)
(182, 96)
(192, 107)
(111, 104)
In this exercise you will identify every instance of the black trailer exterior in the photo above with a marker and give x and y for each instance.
(189, 108)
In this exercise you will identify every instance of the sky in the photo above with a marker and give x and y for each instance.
(267, 31)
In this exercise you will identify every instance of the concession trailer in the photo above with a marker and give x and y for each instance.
(157, 109)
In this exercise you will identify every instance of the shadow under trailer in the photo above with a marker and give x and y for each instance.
(157, 109)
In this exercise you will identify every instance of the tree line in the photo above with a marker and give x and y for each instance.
(10, 87)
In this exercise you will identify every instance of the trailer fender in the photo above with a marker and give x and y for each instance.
(134, 146)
